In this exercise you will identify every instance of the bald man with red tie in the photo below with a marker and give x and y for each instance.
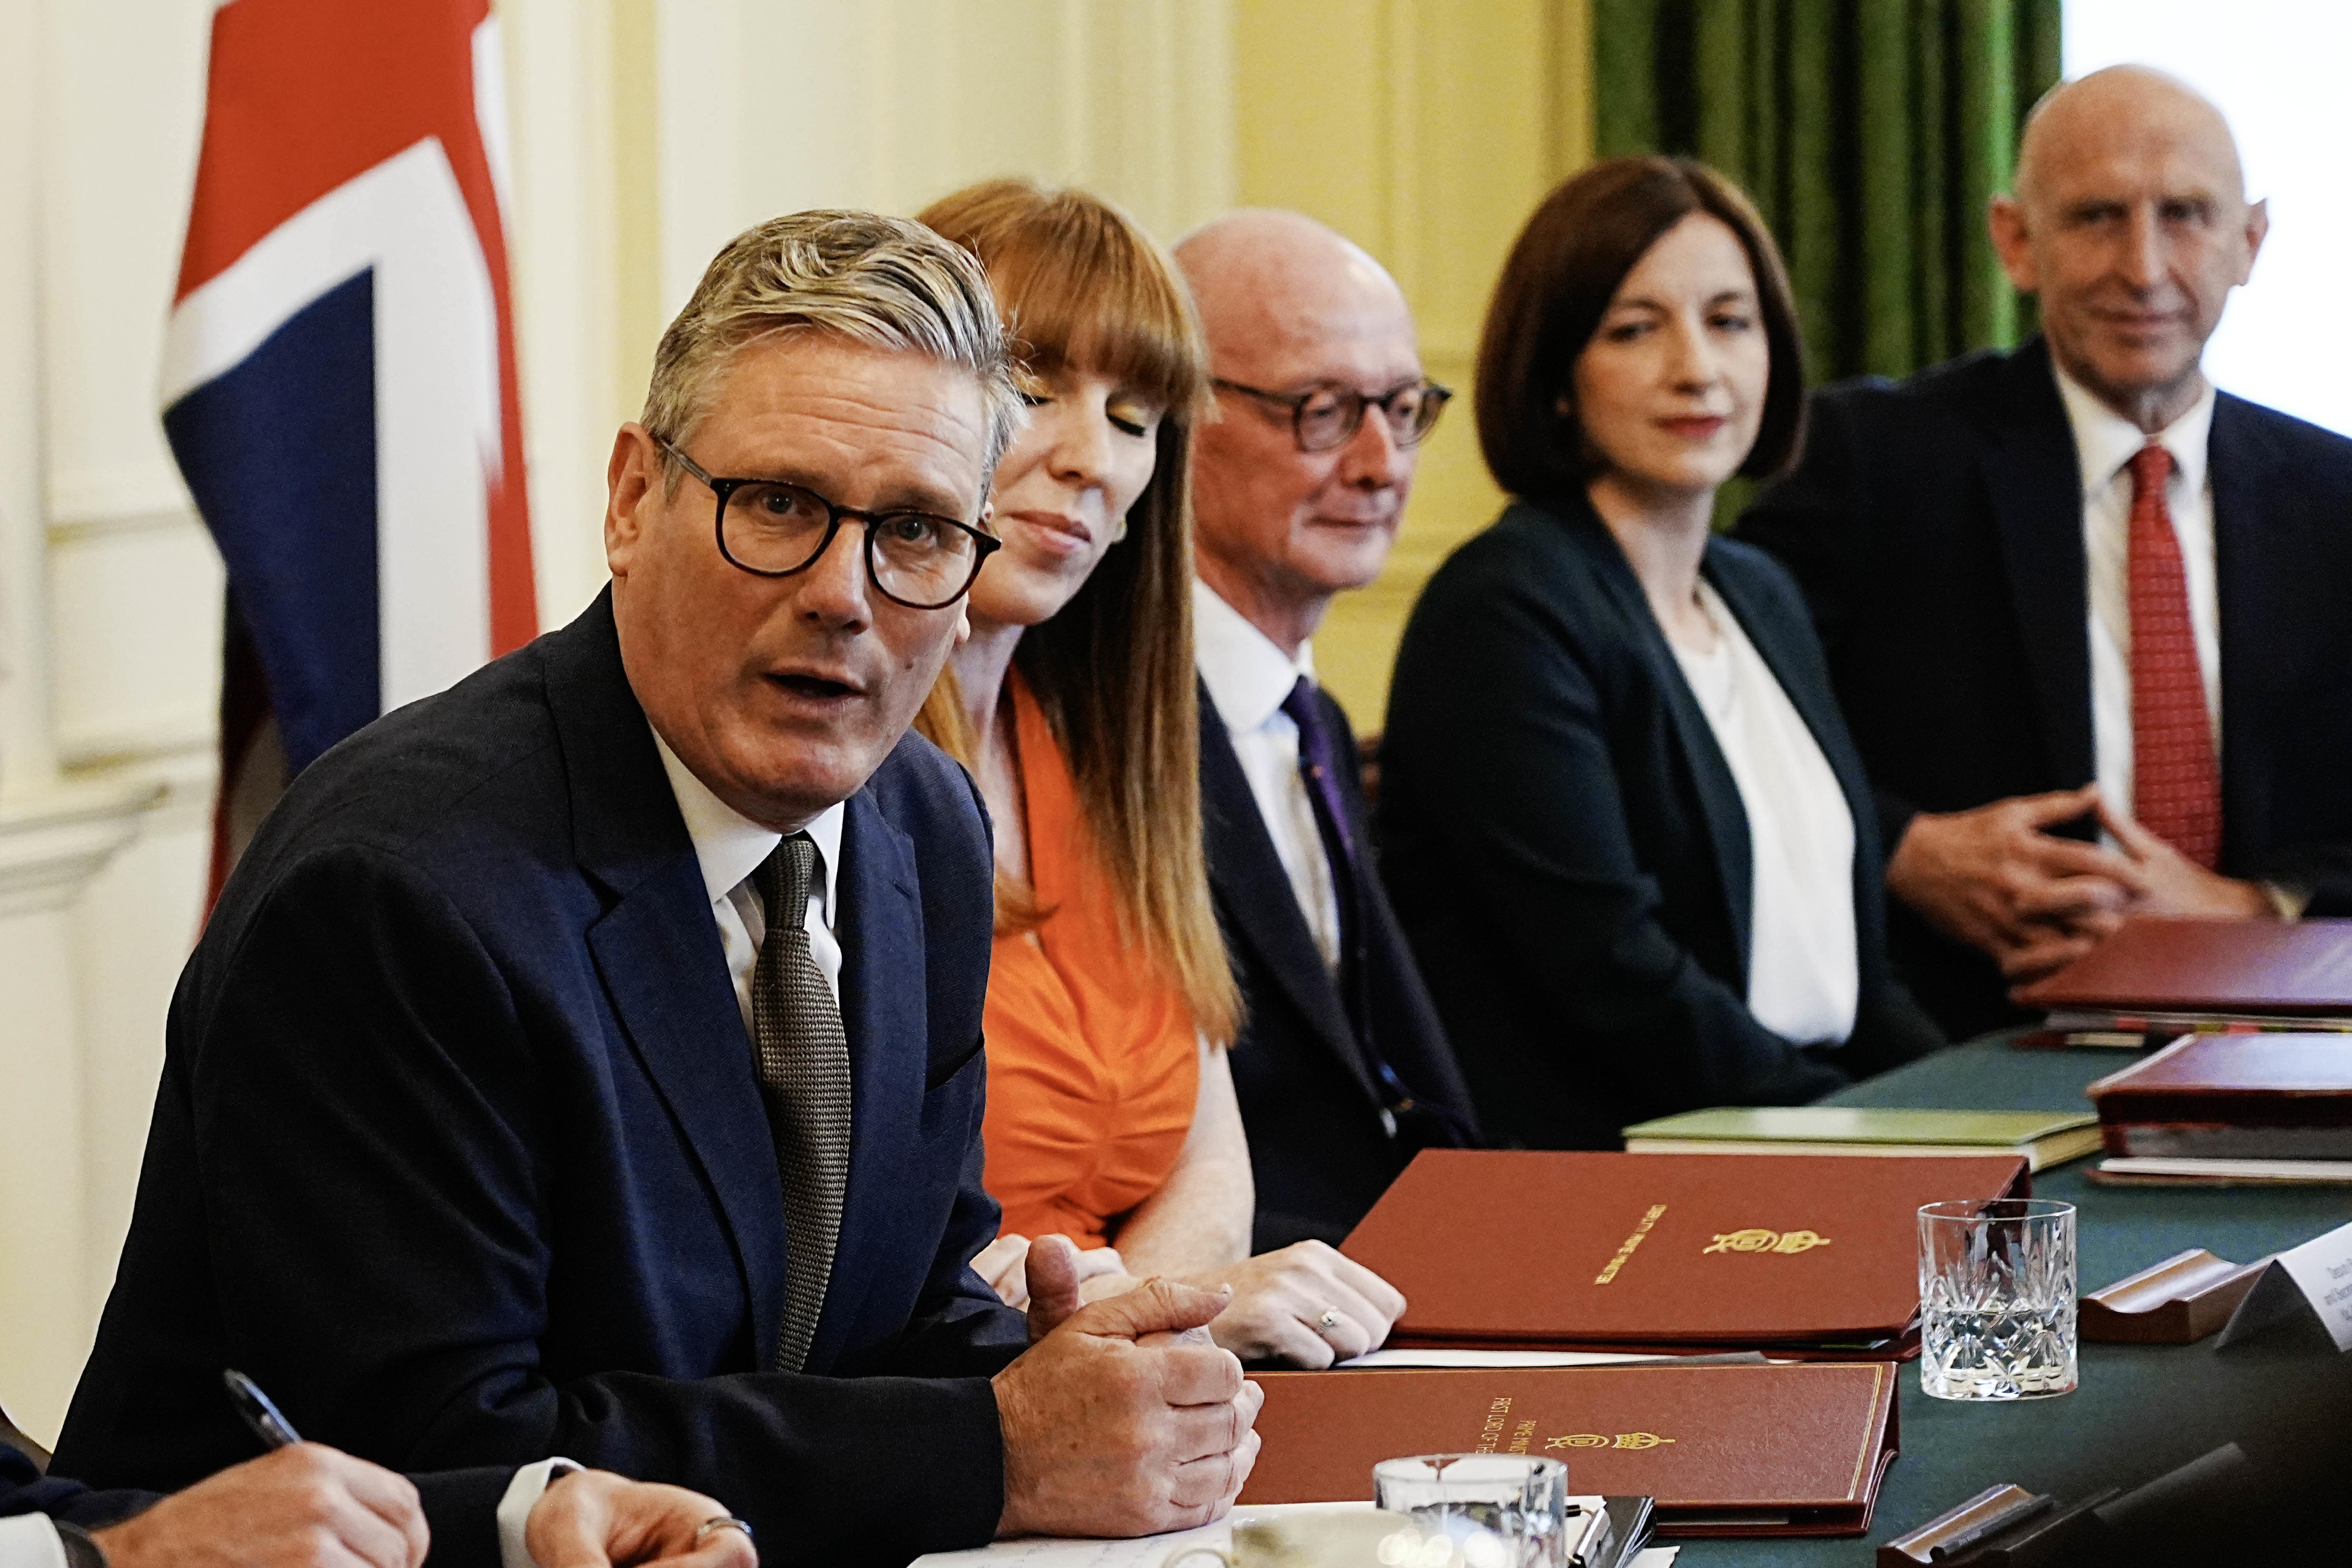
(2086, 614)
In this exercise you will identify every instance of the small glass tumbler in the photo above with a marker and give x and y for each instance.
(1997, 1299)
(1475, 1511)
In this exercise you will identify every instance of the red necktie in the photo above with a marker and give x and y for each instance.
(2176, 780)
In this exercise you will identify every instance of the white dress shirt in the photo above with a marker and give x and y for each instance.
(1247, 677)
(30, 1540)
(2104, 443)
(1803, 978)
(730, 846)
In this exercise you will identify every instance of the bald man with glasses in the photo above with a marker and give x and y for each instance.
(1342, 1067)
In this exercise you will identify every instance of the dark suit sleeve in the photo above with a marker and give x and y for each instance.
(371, 1115)
(23, 1489)
(1532, 796)
(461, 1510)
(1816, 524)
(2322, 873)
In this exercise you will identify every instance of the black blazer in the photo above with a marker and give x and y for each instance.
(459, 1152)
(1318, 1152)
(1937, 526)
(1568, 852)
(460, 1506)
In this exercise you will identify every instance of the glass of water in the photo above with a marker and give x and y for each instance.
(1474, 1510)
(1997, 1299)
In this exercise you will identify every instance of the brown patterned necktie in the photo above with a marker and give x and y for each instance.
(804, 1065)
(2175, 778)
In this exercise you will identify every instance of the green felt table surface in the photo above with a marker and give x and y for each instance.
(2140, 1410)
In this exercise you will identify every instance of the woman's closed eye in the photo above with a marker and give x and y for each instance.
(1134, 419)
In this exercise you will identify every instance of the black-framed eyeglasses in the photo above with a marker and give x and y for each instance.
(772, 529)
(1328, 415)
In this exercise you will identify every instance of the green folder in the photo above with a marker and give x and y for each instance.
(2045, 1138)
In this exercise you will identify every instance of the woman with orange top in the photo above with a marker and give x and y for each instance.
(1111, 1117)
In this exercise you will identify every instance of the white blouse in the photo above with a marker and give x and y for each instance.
(1802, 981)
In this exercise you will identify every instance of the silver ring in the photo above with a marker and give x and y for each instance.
(1330, 1317)
(724, 1522)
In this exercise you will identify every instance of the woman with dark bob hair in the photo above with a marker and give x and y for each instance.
(1620, 818)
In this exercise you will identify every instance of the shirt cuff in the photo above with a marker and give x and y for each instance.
(30, 1540)
(523, 1494)
(2288, 903)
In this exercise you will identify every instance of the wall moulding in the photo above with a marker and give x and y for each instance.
(63, 530)
(51, 844)
(157, 734)
(137, 496)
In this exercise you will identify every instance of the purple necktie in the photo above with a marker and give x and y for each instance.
(1318, 766)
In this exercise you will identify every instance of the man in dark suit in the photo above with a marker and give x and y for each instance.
(1342, 1068)
(2084, 613)
(587, 1060)
(311, 1507)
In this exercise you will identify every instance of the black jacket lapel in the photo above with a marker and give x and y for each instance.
(2259, 578)
(1254, 897)
(2034, 481)
(1806, 686)
(883, 988)
(657, 949)
(1719, 792)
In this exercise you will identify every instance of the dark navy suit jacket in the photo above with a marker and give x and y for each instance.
(460, 1506)
(1568, 852)
(459, 1152)
(1937, 526)
(1319, 1154)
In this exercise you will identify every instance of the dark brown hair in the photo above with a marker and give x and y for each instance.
(1081, 286)
(1564, 270)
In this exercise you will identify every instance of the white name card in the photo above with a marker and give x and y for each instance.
(2310, 1281)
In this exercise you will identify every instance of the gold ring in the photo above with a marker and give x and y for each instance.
(724, 1522)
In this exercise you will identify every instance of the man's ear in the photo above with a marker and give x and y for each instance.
(631, 482)
(2005, 218)
(2258, 228)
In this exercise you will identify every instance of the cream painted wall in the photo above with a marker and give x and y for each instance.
(109, 644)
(1426, 132)
(644, 134)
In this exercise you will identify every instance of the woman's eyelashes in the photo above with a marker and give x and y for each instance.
(1717, 321)
(1134, 419)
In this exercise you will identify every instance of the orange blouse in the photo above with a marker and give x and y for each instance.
(1093, 1069)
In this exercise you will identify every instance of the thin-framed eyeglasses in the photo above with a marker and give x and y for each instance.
(1328, 415)
(774, 528)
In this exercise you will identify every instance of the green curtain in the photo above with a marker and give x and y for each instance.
(1871, 132)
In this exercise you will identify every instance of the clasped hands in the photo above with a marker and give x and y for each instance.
(1997, 878)
(1124, 1417)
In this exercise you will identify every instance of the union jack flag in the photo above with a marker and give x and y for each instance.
(340, 384)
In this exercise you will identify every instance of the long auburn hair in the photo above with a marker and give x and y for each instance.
(1080, 286)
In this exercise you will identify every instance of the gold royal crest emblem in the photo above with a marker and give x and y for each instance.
(1760, 1240)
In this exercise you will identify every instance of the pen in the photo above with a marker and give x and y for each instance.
(272, 1428)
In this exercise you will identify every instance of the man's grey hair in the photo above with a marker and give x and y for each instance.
(882, 281)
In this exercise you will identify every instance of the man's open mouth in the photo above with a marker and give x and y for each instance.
(813, 686)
